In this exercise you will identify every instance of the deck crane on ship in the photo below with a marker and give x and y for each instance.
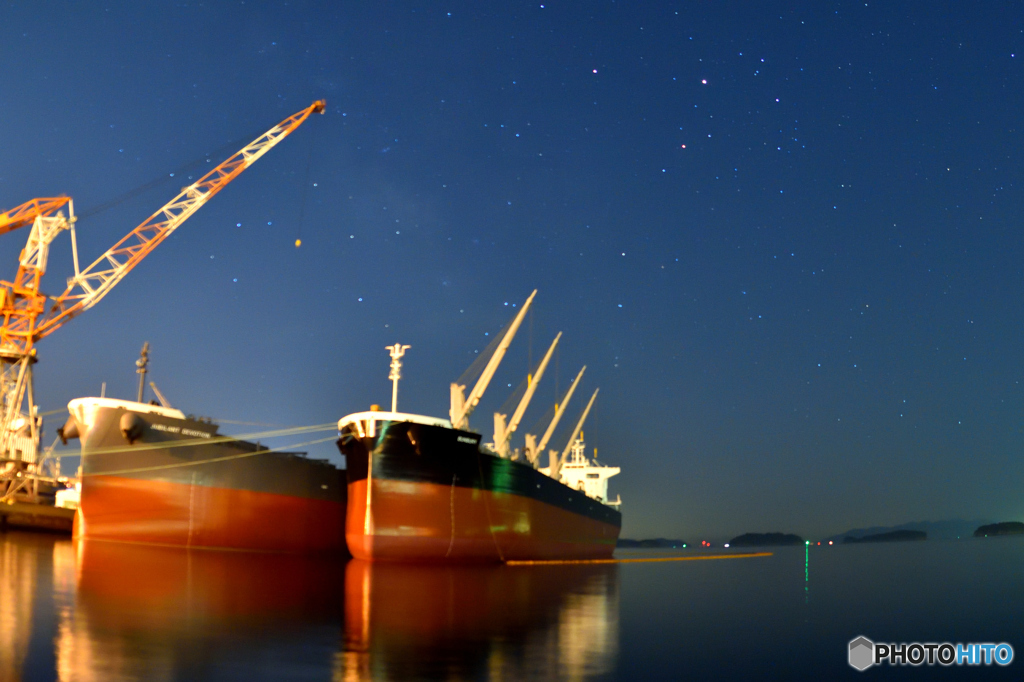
(462, 406)
(24, 308)
(576, 471)
(502, 431)
(533, 448)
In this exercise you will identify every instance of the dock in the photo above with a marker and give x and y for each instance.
(28, 516)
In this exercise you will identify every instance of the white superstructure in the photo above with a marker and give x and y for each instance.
(84, 410)
(589, 478)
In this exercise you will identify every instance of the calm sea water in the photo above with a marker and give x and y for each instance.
(101, 611)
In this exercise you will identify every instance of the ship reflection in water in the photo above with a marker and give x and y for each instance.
(479, 621)
(153, 613)
(106, 611)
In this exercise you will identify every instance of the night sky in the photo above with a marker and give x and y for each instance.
(783, 237)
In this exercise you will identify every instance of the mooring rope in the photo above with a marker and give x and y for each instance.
(51, 412)
(190, 442)
(238, 423)
(197, 462)
(166, 178)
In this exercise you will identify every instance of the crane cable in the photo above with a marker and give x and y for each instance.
(165, 179)
(305, 188)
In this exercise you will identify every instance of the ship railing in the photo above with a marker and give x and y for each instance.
(365, 423)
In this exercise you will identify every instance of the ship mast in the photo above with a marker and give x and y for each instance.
(502, 433)
(461, 406)
(143, 365)
(397, 351)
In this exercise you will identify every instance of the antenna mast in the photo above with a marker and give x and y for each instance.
(397, 351)
(143, 364)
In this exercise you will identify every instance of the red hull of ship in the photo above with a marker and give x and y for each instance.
(421, 521)
(159, 512)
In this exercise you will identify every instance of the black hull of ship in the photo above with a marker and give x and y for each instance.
(180, 483)
(420, 492)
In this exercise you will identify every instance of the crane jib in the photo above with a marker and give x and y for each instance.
(25, 317)
(92, 283)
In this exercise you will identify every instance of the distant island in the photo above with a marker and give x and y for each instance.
(766, 540)
(949, 529)
(893, 536)
(1004, 528)
(650, 543)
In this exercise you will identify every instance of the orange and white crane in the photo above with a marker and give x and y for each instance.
(26, 316)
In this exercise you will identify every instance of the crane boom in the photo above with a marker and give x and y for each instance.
(460, 410)
(556, 466)
(90, 285)
(532, 388)
(533, 453)
(23, 215)
(502, 433)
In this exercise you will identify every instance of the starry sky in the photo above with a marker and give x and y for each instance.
(783, 237)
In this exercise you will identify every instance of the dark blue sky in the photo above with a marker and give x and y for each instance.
(784, 237)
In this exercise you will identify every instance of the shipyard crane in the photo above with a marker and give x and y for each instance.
(534, 449)
(26, 214)
(461, 406)
(502, 432)
(26, 318)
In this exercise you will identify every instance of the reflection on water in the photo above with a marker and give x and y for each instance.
(19, 571)
(115, 612)
(106, 611)
(155, 613)
(496, 622)
(36, 587)
(807, 572)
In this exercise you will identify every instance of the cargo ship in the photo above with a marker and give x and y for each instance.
(423, 488)
(151, 474)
